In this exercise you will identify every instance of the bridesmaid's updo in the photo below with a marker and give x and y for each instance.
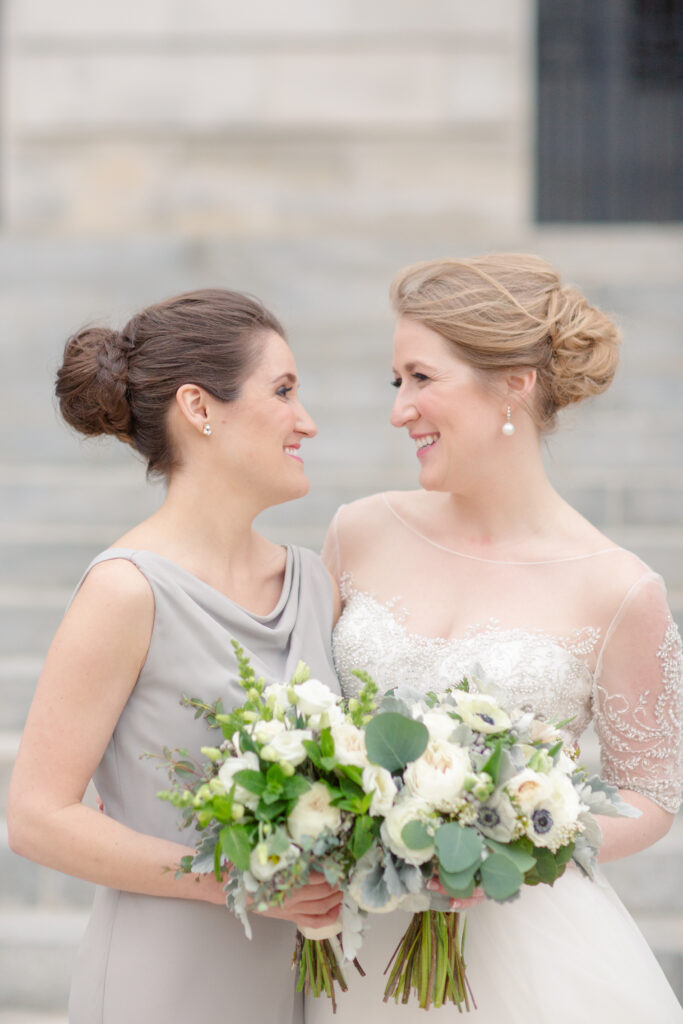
(511, 310)
(123, 382)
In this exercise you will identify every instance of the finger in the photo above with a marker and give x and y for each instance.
(316, 907)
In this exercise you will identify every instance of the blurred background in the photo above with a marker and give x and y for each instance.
(303, 152)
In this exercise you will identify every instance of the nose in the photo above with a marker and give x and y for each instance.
(305, 425)
(403, 410)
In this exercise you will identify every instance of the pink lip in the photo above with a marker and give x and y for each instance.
(422, 452)
(297, 457)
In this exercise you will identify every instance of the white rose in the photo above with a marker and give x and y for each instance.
(332, 716)
(277, 697)
(438, 775)
(543, 732)
(439, 724)
(528, 789)
(264, 732)
(406, 809)
(349, 744)
(288, 746)
(482, 712)
(312, 814)
(250, 761)
(313, 697)
(380, 783)
(263, 864)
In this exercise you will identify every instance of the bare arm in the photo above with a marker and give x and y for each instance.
(90, 671)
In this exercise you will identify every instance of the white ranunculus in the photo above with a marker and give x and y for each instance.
(288, 746)
(528, 789)
(264, 732)
(439, 724)
(313, 697)
(438, 775)
(482, 712)
(312, 814)
(552, 822)
(406, 809)
(227, 770)
(277, 696)
(349, 744)
(379, 782)
(497, 818)
(263, 864)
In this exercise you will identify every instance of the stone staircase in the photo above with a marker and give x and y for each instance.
(62, 500)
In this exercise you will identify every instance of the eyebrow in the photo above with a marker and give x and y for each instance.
(412, 366)
(289, 377)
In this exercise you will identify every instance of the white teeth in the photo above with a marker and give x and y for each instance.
(427, 439)
(290, 451)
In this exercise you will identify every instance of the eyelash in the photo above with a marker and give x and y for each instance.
(283, 391)
(419, 377)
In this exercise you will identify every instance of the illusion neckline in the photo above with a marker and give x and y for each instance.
(495, 561)
(281, 601)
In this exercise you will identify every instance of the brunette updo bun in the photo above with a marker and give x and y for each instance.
(92, 383)
(123, 383)
(510, 310)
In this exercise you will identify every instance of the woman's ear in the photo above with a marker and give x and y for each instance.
(193, 405)
(519, 386)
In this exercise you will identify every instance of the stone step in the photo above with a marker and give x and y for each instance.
(37, 949)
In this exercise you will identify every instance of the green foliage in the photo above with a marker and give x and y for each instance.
(457, 848)
(492, 766)
(235, 844)
(500, 877)
(416, 836)
(365, 831)
(393, 740)
(518, 852)
(459, 884)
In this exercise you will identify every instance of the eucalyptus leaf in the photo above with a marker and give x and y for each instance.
(457, 847)
(459, 883)
(520, 857)
(500, 878)
(392, 740)
(416, 836)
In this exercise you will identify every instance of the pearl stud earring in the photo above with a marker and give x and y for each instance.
(206, 429)
(508, 427)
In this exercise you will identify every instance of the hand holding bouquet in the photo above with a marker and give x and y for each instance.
(279, 802)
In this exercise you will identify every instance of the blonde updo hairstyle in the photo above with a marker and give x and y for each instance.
(124, 382)
(510, 310)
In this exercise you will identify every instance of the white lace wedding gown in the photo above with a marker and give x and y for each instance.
(588, 637)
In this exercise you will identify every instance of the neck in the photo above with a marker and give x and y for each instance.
(509, 504)
(200, 518)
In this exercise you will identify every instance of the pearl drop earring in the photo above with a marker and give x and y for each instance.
(206, 429)
(508, 427)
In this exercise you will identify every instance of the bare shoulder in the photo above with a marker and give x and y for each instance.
(117, 586)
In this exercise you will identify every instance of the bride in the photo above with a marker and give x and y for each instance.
(487, 564)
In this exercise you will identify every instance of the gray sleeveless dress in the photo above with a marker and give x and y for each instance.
(148, 959)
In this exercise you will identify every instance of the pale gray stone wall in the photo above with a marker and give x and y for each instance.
(301, 151)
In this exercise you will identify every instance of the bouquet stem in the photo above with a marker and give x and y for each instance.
(429, 960)
(319, 961)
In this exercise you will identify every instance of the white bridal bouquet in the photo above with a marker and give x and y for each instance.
(486, 796)
(385, 799)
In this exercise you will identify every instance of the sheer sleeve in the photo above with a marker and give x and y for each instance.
(637, 697)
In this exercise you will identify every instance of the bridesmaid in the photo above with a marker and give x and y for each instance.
(204, 387)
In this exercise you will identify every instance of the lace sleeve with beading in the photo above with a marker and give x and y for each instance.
(637, 697)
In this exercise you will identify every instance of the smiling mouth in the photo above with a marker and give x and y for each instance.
(293, 454)
(425, 443)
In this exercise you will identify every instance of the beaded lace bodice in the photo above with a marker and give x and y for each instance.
(620, 667)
